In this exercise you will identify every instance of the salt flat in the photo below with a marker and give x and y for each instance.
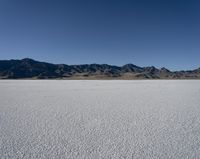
(99, 119)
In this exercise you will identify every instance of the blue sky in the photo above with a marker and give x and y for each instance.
(163, 33)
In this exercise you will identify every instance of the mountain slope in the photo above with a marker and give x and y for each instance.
(31, 69)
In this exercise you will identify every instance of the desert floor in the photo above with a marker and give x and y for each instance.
(99, 119)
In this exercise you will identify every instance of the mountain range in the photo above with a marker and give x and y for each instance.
(30, 69)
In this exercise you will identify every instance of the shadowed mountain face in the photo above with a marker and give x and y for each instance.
(28, 68)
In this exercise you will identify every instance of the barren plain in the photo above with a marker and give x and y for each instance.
(99, 119)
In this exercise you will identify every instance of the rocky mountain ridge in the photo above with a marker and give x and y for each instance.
(31, 69)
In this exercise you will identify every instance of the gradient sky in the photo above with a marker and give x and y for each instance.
(143, 32)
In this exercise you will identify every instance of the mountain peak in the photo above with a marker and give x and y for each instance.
(29, 68)
(27, 59)
(164, 69)
(131, 68)
(130, 65)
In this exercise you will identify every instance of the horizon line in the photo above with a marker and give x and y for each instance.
(27, 58)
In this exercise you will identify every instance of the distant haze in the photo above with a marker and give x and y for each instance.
(142, 32)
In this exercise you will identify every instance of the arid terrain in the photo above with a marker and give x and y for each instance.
(99, 119)
(31, 69)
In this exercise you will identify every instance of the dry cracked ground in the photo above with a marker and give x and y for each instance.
(99, 119)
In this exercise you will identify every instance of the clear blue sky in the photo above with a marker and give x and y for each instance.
(143, 32)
